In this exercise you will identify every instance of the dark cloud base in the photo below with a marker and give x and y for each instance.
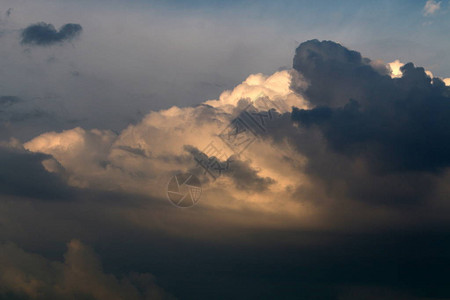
(285, 265)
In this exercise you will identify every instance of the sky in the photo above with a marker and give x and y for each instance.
(224, 149)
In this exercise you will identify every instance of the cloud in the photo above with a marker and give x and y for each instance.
(164, 142)
(43, 34)
(431, 7)
(80, 276)
(358, 124)
(387, 136)
(78, 151)
(305, 210)
(328, 66)
(276, 87)
(350, 138)
(363, 151)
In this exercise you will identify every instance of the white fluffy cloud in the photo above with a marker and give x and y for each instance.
(395, 68)
(276, 87)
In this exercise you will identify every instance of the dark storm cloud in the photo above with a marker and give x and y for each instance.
(337, 75)
(43, 34)
(388, 138)
(398, 124)
(22, 174)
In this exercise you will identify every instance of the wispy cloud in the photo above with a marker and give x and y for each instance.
(431, 7)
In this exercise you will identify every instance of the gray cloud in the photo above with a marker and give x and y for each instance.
(43, 34)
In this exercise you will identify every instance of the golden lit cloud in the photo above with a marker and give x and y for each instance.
(143, 156)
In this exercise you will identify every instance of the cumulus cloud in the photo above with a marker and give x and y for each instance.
(363, 150)
(80, 276)
(43, 34)
(365, 133)
(321, 63)
(275, 87)
(164, 142)
(431, 7)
